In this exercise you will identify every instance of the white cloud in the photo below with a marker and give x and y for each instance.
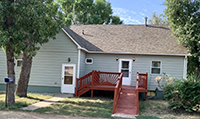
(129, 16)
(142, 14)
(145, 10)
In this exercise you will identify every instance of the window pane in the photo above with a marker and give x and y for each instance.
(155, 70)
(68, 79)
(89, 61)
(125, 73)
(19, 63)
(125, 64)
(68, 70)
(155, 63)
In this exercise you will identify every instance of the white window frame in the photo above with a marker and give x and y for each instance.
(153, 67)
(17, 62)
(87, 59)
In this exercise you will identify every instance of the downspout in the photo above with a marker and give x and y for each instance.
(78, 67)
(185, 67)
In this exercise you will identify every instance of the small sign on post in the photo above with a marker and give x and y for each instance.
(7, 80)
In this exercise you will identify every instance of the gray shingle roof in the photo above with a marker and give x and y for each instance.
(81, 41)
(127, 38)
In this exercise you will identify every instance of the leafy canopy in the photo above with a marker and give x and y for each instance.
(184, 19)
(87, 12)
(31, 19)
(157, 19)
(183, 16)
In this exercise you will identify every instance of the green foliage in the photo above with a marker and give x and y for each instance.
(116, 20)
(184, 94)
(87, 12)
(183, 16)
(192, 65)
(31, 19)
(158, 19)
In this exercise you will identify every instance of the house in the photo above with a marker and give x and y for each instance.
(110, 48)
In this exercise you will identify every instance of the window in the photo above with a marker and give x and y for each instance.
(19, 60)
(19, 63)
(155, 67)
(88, 60)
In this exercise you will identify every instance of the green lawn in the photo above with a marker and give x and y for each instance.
(98, 107)
(22, 102)
(83, 106)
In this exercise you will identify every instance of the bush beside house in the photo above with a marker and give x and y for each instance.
(184, 93)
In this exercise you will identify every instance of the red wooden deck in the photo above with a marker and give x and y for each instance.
(127, 101)
(125, 97)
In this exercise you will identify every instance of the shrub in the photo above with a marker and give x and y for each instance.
(183, 94)
(163, 80)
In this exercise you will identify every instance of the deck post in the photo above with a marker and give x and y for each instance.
(114, 101)
(91, 93)
(137, 101)
(92, 83)
(145, 96)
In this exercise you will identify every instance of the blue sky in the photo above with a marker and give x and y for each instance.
(134, 11)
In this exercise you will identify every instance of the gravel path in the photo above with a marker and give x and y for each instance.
(32, 115)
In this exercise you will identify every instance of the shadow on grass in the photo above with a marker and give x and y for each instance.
(17, 106)
(29, 97)
(80, 106)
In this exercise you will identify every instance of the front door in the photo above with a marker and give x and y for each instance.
(68, 78)
(125, 66)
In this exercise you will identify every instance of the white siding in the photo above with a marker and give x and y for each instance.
(82, 64)
(47, 65)
(106, 62)
(3, 67)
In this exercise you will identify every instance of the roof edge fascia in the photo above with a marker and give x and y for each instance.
(79, 47)
(133, 53)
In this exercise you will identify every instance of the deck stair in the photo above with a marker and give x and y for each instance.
(127, 101)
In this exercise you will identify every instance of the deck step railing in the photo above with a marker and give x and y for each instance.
(141, 86)
(117, 91)
(83, 83)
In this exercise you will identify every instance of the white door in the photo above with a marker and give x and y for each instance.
(68, 78)
(125, 66)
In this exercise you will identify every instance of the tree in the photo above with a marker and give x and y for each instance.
(116, 20)
(40, 24)
(33, 22)
(6, 41)
(183, 16)
(87, 12)
(157, 19)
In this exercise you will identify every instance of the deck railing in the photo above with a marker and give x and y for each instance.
(141, 86)
(117, 92)
(106, 77)
(97, 78)
(83, 83)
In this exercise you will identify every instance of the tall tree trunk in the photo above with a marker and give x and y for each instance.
(11, 74)
(10, 62)
(24, 76)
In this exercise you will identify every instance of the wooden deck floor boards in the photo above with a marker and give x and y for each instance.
(127, 101)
